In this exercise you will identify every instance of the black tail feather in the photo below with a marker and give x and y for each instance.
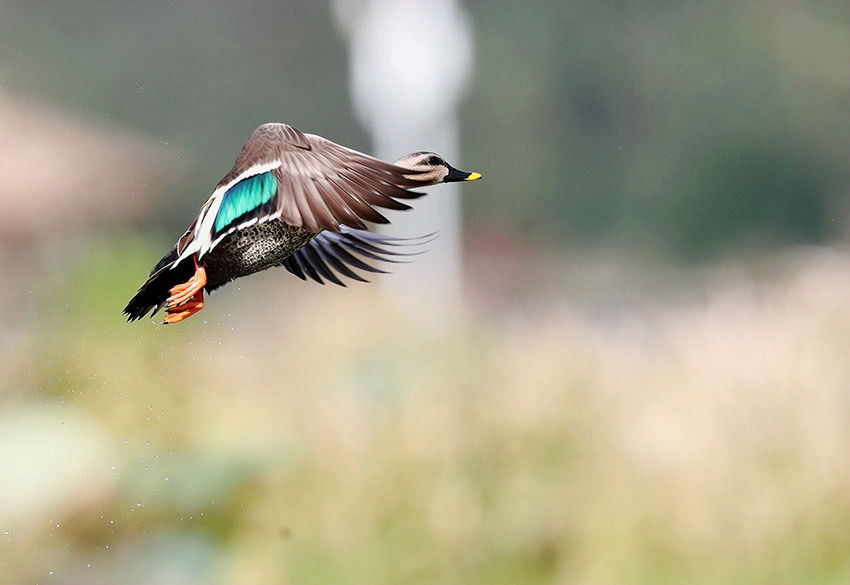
(155, 290)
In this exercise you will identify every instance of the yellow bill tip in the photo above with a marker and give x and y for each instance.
(473, 177)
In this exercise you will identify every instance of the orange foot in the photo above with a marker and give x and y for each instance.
(185, 310)
(188, 298)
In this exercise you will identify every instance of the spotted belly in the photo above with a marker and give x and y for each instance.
(253, 249)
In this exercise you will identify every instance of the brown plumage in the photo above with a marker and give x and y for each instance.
(286, 190)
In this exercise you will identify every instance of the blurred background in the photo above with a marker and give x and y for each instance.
(643, 378)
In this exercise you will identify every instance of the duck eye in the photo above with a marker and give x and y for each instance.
(435, 161)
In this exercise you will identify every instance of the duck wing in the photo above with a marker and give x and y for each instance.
(303, 180)
(331, 255)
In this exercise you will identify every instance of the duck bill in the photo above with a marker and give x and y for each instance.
(458, 175)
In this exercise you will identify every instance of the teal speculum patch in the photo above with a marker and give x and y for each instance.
(244, 197)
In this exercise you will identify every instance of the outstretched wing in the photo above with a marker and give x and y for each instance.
(303, 180)
(333, 254)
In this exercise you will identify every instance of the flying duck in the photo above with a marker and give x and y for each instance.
(294, 200)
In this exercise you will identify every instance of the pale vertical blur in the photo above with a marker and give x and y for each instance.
(411, 63)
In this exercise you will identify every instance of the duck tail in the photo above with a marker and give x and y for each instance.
(153, 293)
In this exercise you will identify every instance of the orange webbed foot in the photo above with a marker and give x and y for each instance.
(183, 292)
(177, 314)
(187, 298)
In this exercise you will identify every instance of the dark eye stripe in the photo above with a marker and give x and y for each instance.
(435, 161)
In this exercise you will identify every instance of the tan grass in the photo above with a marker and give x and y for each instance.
(313, 435)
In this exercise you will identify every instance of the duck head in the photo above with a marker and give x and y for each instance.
(433, 168)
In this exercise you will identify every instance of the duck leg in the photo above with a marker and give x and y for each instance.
(188, 298)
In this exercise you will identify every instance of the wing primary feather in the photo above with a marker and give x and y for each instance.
(375, 255)
(362, 245)
(337, 204)
(333, 254)
(374, 183)
(331, 258)
(319, 206)
(386, 186)
(353, 260)
(308, 268)
(291, 264)
(384, 240)
(346, 158)
(370, 192)
(394, 174)
(312, 257)
(308, 219)
(357, 205)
